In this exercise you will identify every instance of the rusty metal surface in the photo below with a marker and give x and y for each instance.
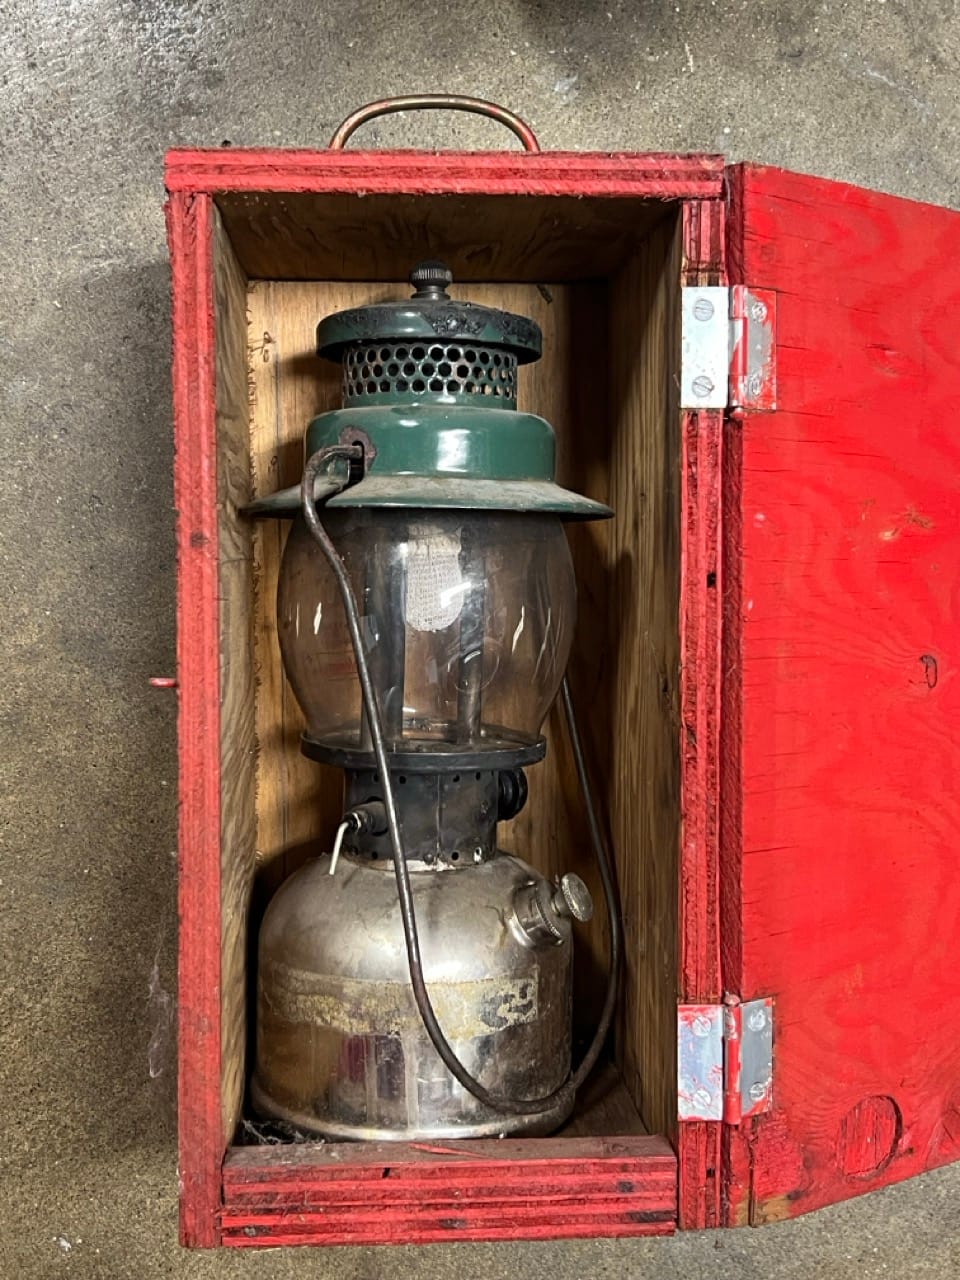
(753, 349)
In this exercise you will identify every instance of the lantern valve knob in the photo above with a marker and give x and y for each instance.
(430, 279)
(572, 899)
(540, 909)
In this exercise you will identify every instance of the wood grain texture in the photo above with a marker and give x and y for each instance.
(333, 235)
(237, 743)
(641, 666)
(552, 173)
(849, 643)
(701, 590)
(298, 802)
(389, 1193)
(604, 1108)
(190, 232)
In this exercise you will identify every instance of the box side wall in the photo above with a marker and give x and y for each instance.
(237, 743)
(190, 230)
(642, 663)
(486, 237)
(702, 589)
(399, 1193)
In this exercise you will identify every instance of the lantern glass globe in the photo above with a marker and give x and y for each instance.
(467, 620)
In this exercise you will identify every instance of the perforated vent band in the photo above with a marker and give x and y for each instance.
(405, 370)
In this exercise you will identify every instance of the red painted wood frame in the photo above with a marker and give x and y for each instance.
(554, 1187)
(819, 784)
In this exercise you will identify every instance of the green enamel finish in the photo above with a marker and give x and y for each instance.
(428, 321)
(449, 493)
(426, 383)
(439, 440)
(455, 494)
(442, 456)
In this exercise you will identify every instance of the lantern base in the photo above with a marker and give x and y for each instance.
(341, 1046)
(539, 1125)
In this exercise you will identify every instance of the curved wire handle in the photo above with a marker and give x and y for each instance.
(316, 466)
(440, 102)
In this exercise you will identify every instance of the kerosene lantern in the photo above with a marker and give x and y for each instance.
(415, 982)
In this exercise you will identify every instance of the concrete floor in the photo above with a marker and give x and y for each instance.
(91, 93)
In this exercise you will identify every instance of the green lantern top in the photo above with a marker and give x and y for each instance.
(431, 318)
(430, 392)
(429, 348)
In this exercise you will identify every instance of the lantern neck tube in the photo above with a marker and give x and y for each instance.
(386, 592)
(470, 671)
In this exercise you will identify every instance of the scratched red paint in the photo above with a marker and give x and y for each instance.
(189, 223)
(847, 645)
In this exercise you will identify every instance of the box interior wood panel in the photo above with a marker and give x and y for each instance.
(340, 236)
(602, 279)
(238, 820)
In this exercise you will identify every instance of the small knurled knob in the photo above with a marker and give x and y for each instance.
(430, 279)
(572, 898)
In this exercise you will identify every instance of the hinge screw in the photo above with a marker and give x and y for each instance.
(759, 1090)
(702, 386)
(702, 1098)
(700, 1027)
(703, 309)
(758, 311)
(757, 1020)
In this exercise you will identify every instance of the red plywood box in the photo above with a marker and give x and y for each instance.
(757, 370)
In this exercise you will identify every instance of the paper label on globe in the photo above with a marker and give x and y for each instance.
(435, 584)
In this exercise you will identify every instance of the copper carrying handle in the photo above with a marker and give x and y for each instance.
(440, 102)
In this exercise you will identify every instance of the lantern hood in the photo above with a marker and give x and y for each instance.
(431, 315)
(430, 392)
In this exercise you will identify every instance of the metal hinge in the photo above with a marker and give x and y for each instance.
(724, 1060)
(728, 352)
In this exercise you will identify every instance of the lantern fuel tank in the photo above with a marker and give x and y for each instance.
(342, 1045)
(416, 982)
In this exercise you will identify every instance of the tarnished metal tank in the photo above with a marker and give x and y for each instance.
(341, 1047)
